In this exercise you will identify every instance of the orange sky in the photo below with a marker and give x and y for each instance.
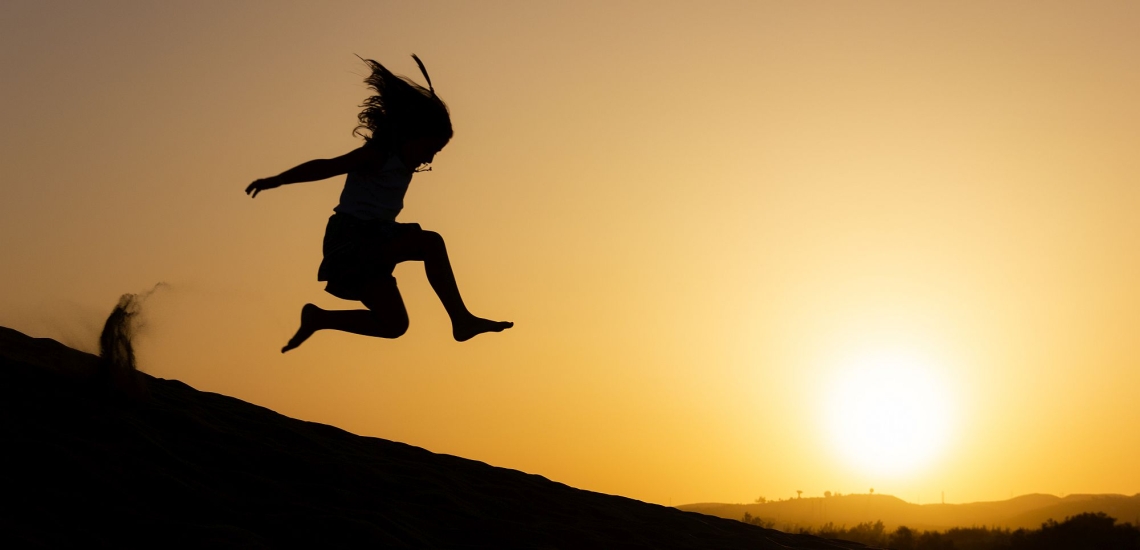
(701, 218)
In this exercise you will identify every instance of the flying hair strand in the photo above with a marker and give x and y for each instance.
(425, 73)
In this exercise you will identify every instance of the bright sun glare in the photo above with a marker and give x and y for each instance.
(888, 414)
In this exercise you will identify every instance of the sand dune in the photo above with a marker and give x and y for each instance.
(85, 466)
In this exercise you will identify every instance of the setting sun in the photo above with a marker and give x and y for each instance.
(888, 414)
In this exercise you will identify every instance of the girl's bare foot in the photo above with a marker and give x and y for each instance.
(308, 327)
(474, 326)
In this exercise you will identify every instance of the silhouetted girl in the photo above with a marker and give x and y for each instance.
(404, 125)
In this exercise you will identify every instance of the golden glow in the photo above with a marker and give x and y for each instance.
(888, 414)
(703, 217)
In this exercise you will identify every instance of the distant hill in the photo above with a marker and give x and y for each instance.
(1028, 511)
(87, 466)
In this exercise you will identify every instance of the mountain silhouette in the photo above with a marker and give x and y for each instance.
(1027, 511)
(86, 465)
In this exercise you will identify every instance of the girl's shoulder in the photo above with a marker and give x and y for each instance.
(372, 156)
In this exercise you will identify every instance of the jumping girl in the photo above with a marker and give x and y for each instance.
(404, 125)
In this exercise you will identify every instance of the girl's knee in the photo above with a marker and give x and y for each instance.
(393, 324)
(428, 244)
(432, 240)
(399, 327)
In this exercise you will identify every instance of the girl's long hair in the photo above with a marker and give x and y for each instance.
(401, 109)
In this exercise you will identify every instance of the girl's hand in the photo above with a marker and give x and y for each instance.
(261, 185)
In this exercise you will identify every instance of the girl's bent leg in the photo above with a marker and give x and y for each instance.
(386, 317)
(428, 247)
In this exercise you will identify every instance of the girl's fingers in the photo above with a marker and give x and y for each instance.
(259, 186)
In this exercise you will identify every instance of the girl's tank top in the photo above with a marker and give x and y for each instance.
(376, 195)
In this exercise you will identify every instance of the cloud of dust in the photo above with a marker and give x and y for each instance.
(116, 350)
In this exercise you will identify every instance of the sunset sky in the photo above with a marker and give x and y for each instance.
(750, 248)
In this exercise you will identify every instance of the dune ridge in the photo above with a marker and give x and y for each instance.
(181, 467)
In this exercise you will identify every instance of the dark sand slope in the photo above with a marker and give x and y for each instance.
(189, 468)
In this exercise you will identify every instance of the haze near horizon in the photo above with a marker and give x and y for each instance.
(750, 248)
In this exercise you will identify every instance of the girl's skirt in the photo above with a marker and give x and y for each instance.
(357, 253)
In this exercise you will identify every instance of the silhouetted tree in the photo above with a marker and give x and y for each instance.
(827, 494)
(830, 531)
(978, 538)
(933, 540)
(1083, 531)
(758, 521)
(902, 539)
(871, 534)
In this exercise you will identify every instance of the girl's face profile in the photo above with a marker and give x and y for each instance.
(418, 151)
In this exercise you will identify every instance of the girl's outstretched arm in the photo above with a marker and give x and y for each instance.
(314, 170)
